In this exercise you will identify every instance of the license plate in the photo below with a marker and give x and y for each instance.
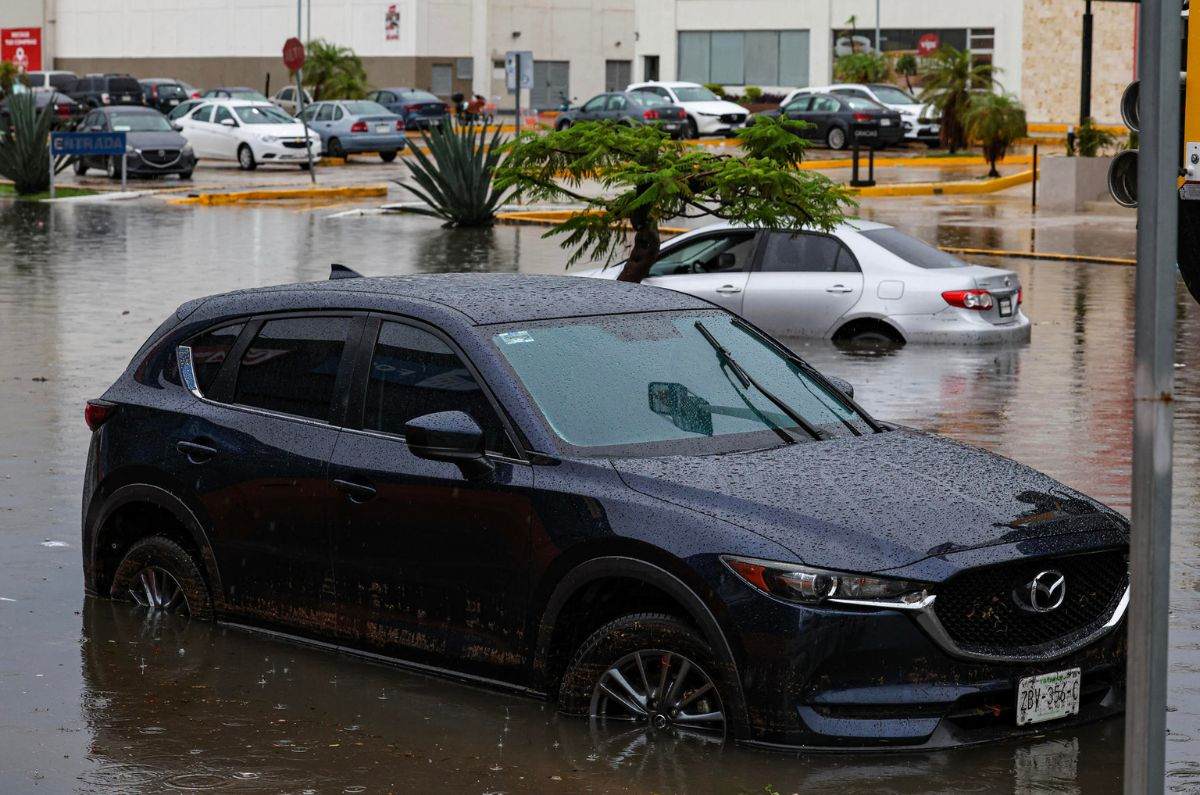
(172, 102)
(1048, 697)
(1005, 307)
(885, 122)
(671, 126)
(124, 97)
(935, 128)
(381, 128)
(867, 133)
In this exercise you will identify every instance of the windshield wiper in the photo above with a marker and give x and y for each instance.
(748, 380)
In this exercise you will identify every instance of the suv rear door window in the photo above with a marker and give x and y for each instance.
(414, 373)
(292, 366)
(209, 352)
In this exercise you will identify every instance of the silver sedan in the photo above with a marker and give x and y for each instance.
(862, 282)
(347, 126)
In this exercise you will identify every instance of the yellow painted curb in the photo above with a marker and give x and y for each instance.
(946, 188)
(285, 194)
(949, 161)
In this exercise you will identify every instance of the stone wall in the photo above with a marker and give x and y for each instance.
(1050, 72)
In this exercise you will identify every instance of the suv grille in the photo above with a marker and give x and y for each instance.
(733, 118)
(980, 613)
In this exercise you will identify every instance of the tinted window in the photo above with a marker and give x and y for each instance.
(223, 114)
(124, 85)
(824, 105)
(171, 91)
(704, 256)
(414, 373)
(595, 104)
(799, 104)
(62, 82)
(337, 113)
(209, 351)
(286, 94)
(616, 102)
(912, 250)
(292, 366)
(806, 252)
(203, 113)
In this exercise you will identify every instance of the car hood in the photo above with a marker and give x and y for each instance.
(874, 502)
(155, 140)
(283, 130)
(717, 108)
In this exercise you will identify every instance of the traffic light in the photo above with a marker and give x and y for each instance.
(1122, 172)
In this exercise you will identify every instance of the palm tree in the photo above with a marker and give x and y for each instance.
(995, 121)
(334, 72)
(950, 77)
(906, 66)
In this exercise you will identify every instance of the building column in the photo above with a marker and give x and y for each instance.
(481, 54)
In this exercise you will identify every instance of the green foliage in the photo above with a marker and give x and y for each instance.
(9, 74)
(753, 94)
(907, 67)
(995, 122)
(334, 72)
(951, 76)
(861, 67)
(457, 183)
(646, 179)
(24, 151)
(716, 88)
(1090, 140)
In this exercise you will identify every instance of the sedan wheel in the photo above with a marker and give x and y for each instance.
(836, 138)
(246, 158)
(112, 167)
(388, 156)
(692, 130)
(80, 166)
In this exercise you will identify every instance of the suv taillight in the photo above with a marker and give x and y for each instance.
(97, 412)
(358, 126)
(980, 300)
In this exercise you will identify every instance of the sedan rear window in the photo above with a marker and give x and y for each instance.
(912, 250)
(364, 108)
(655, 383)
(861, 103)
(419, 96)
(171, 91)
(292, 366)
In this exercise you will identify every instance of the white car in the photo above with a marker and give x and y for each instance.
(920, 122)
(248, 132)
(862, 282)
(285, 98)
(707, 114)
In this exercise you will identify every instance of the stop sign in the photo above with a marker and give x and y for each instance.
(293, 54)
(928, 43)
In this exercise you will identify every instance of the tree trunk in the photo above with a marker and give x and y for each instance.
(646, 243)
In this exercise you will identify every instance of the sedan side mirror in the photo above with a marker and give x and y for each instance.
(229, 122)
(841, 383)
(451, 436)
(176, 126)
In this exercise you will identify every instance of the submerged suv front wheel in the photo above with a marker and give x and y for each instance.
(160, 576)
(648, 668)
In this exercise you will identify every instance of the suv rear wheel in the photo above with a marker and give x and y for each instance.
(648, 668)
(160, 576)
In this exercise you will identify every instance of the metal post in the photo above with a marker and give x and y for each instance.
(50, 143)
(878, 43)
(124, 163)
(1035, 175)
(1154, 343)
(1085, 78)
(854, 165)
(518, 92)
(312, 171)
(308, 38)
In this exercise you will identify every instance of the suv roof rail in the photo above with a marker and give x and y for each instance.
(337, 271)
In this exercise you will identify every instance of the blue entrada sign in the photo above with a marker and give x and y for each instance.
(87, 143)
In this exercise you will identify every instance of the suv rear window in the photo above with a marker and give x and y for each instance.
(62, 82)
(124, 85)
(292, 366)
(209, 351)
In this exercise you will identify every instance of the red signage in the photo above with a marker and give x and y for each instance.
(23, 47)
(293, 54)
(928, 43)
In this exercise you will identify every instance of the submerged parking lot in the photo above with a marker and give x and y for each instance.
(93, 699)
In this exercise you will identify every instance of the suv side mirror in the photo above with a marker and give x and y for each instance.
(842, 384)
(451, 436)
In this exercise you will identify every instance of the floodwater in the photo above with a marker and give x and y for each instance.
(93, 699)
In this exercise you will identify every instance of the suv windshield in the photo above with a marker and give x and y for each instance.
(652, 384)
(140, 122)
(695, 94)
(262, 114)
(893, 96)
(912, 250)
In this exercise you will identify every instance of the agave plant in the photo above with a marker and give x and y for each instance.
(455, 178)
(24, 147)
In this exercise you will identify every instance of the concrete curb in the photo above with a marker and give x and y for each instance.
(282, 194)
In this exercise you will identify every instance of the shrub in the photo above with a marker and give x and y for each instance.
(994, 121)
(24, 150)
(861, 67)
(1090, 140)
(457, 183)
(753, 94)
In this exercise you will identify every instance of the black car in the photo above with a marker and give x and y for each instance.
(618, 497)
(94, 91)
(66, 110)
(420, 109)
(634, 108)
(163, 94)
(838, 120)
(153, 146)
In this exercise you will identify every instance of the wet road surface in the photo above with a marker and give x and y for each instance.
(93, 699)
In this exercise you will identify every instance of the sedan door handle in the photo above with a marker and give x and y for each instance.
(357, 492)
(728, 289)
(196, 453)
(839, 288)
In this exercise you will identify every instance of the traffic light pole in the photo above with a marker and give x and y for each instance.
(1154, 344)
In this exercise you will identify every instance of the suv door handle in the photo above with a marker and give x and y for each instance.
(357, 492)
(196, 453)
(839, 288)
(728, 289)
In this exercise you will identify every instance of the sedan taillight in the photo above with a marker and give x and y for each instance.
(650, 115)
(358, 126)
(1020, 295)
(399, 125)
(862, 116)
(979, 300)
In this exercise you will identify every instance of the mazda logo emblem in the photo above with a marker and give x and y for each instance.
(1045, 592)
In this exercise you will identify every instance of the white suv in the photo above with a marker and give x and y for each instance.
(707, 113)
(919, 122)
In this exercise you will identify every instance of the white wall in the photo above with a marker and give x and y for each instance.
(658, 22)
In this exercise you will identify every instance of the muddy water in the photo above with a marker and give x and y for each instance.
(93, 699)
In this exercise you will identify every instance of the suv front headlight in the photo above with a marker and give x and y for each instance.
(806, 585)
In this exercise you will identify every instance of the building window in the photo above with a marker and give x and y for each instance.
(649, 67)
(736, 57)
(464, 68)
(440, 81)
(617, 75)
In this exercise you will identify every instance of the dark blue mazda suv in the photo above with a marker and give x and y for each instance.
(614, 496)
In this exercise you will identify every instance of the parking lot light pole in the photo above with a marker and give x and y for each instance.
(312, 171)
(1154, 356)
